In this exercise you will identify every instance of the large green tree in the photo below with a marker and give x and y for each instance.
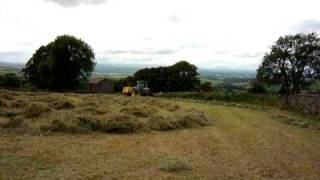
(61, 65)
(293, 62)
(181, 76)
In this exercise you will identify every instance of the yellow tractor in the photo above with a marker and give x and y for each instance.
(128, 91)
(141, 88)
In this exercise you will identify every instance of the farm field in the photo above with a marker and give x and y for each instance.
(82, 136)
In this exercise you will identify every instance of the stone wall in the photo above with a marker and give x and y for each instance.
(305, 103)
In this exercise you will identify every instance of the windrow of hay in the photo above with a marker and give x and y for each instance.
(81, 113)
(18, 104)
(3, 103)
(62, 105)
(35, 110)
(139, 112)
(185, 120)
(7, 97)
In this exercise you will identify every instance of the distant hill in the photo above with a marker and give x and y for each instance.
(118, 70)
(10, 67)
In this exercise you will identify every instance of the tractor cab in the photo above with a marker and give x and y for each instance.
(140, 88)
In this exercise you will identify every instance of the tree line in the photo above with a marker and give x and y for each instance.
(293, 63)
(181, 76)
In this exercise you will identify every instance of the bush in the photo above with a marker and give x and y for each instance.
(206, 87)
(257, 88)
(10, 80)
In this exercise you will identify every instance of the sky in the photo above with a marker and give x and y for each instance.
(212, 34)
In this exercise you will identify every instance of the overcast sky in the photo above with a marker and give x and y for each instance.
(224, 34)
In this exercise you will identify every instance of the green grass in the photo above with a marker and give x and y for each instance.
(241, 143)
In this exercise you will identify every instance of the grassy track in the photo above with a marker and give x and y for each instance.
(240, 144)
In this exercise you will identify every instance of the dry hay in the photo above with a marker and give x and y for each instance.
(139, 112)
(78, 113)
(62, 105)
(3, 103)
(7, 97)
(189, 119)
(36, 109)
(18, 104)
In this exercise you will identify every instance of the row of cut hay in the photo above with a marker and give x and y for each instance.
(75, 113)
(116, 123)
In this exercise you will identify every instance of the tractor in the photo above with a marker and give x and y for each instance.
(141, 88)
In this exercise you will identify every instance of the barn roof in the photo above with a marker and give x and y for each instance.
(97, 80)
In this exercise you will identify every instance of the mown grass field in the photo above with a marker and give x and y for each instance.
(215, 142)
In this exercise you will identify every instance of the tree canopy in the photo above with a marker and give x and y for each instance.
(60, 65)
(293, 62)
(181, 76)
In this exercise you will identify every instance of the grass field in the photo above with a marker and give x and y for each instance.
(215, 142)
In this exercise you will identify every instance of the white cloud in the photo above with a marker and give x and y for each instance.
(209, 33)
(73, 3)
(307, 26)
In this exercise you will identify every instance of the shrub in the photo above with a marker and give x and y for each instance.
(175, 165)
(206, 87)
(10, 80)
(257, 88)
(35, 110)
